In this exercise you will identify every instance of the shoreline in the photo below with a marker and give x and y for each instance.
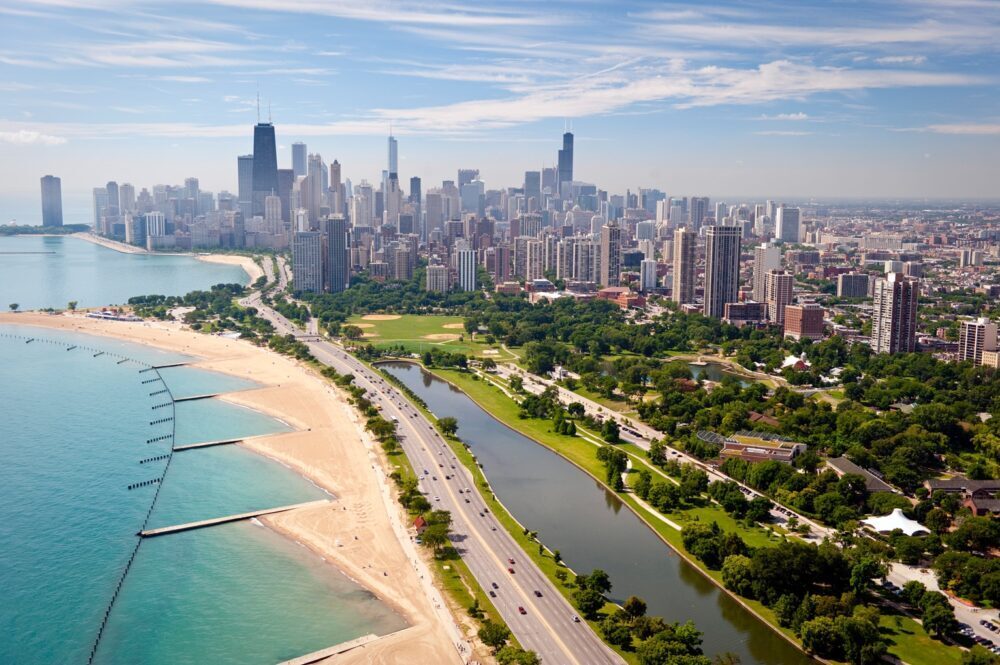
(250, 267)
(356, 533)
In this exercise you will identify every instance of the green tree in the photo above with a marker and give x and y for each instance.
(494, 635)
(588, 601)
(448, 425)
(71, 306)
(610, 431)
(737, 575)
(820, 636)
(634, 607)
(938, 618)
(978, 655)
(616, 633)
(13, 306)
(511, 655)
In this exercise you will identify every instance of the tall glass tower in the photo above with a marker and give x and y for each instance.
(566, 161)
(265, 165)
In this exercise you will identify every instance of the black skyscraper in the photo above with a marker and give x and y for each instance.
(566, 161)
(265, 165)
(337, 260)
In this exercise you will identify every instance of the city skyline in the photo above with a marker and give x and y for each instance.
(721, 101)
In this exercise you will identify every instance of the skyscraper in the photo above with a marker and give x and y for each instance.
(611, 252)
(697, 212)
(894, 315)
(685, 247)
(465, 176)
(51, 201)
(338, 275)
(722, 268)
(126, 198)
(787, 225)
(265, 165)
(778, 287)
(975, 337)
(299, 159)
(393, 155)
(244, 171)
(467, 269)
(766, 257)
(307, 261)
(113, 199)
(647, 275)
(533, 189)
(336, 195)
(565, 163)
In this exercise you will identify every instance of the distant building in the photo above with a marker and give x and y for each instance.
(52, 214)
(755, 446)
(337, 259)
(766, 257)
(804, 321)
(299, 153)
(975, 337)
(787, 225)
(611, 253)
(778, 287)
(741, 313)
(307, 261)
(265, 165)
(894, 315)
(852, 285)
(647, 275)
(437, 278)
(467, 269)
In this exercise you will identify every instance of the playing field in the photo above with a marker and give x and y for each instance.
(419, 333)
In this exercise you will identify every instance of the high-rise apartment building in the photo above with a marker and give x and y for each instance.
(722, 268)
(778, 287)
(337, 264)
(852, 285)
(611, 253)
(685, 253)
(467, 269)
(437, 278)
(697, 212)
(804, 321)
(766, 257)
(244, 172)
(647, 275)
(894, 314)
(975, 337)
(533, 190)
(307, 261)
(52, 214)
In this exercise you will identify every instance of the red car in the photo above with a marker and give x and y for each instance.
(510, 561)
(522, 610)
(510, 570)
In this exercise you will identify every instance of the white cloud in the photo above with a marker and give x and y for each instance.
(27, 137)
(780, 132)
(902, 60)
(786, 116)
(968, 128)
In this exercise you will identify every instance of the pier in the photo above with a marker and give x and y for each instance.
(180, 364)
(192, 398)
(343, 647)
(150, 533)
(206, 444)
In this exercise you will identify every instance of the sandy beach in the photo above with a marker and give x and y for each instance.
(249, 266)
(363, 531)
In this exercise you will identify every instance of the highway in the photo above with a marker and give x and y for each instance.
(547, 624)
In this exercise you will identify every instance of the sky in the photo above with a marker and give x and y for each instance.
(832, 99)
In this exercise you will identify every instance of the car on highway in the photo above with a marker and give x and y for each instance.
(494, 585)
(510, 561)
(576, 619)
(538, 593)
(522, 610)
(510, 570)
(493, 594)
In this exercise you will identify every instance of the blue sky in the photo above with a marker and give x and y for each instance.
(732, 99)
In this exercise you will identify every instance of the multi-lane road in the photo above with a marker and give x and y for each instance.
(539, 616)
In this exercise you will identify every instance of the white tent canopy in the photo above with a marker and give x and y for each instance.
(895, 520)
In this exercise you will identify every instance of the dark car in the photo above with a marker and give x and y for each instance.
(538, 593)
(522, 610)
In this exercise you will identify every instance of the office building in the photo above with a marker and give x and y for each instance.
(244, 172)
(113, 199)
(52, 214)
(685, 254)
(804, 321)
(766, 257)
(852, 285)
(299, 159)
(894, 314)
(467, 269)
(126, 199)
(265, 165)
(533, 190)
(611, 252)
(437, 279)
(975, 337)
(697, 212)
(565, 168)
(307, 261)
(787, 225)
(722, 269)
(778, 288)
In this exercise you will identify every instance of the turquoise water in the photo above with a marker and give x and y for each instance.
(38, 272)
(74, 429)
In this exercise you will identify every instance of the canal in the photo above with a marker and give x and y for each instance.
(592, 528)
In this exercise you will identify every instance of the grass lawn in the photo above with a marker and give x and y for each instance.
(910, 643)
(422, 332)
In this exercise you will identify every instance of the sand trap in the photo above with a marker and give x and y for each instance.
(441, 337)
(491, 352)
(454, 326)
(369, 334)
(361, 325)
(381, 317)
